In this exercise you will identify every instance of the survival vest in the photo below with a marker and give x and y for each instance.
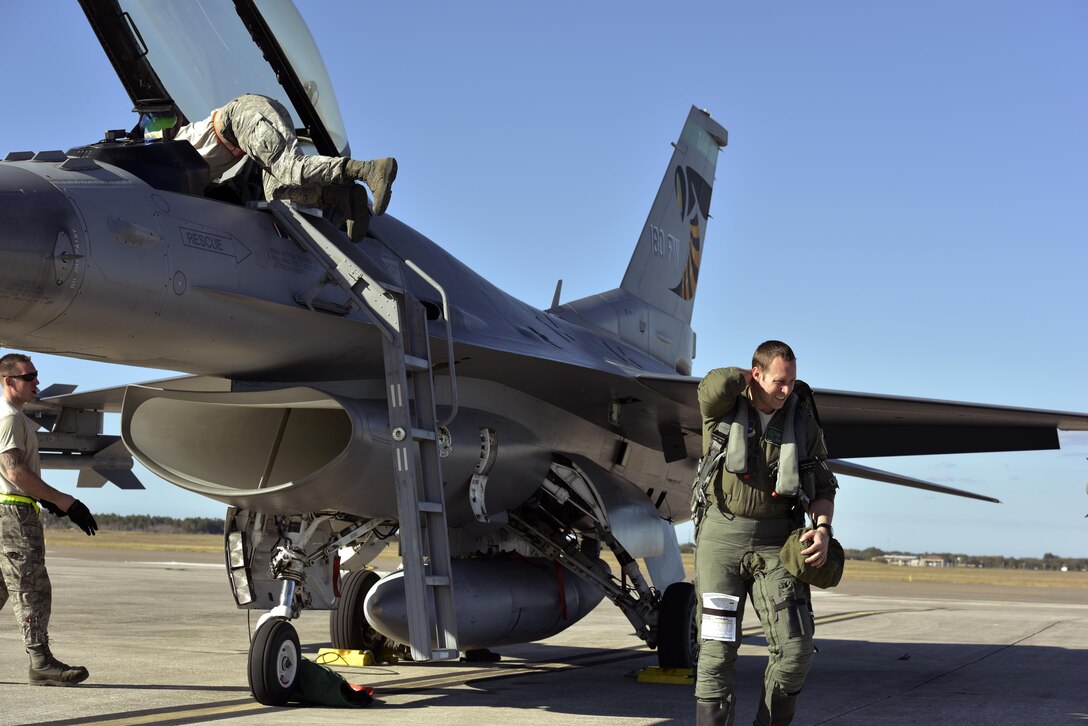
(729, 448)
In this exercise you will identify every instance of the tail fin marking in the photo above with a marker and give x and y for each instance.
(659, 272)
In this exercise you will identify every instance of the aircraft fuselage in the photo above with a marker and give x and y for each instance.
(101, 265)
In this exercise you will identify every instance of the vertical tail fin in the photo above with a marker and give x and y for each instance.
(664, 269)
(652, 308)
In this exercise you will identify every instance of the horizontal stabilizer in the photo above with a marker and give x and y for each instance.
(847, 468)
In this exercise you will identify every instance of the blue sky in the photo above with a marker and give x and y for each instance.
(902, 197)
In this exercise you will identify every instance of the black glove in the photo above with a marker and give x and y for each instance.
(53, 508)
(83, 518)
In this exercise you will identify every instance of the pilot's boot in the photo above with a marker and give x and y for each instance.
(714, 713)
(378, 175)
(781, 712)
(45, 670)
(350, 207)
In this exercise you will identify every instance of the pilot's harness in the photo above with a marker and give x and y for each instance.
(729, 448)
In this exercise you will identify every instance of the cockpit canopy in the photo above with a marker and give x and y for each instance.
(196, 56)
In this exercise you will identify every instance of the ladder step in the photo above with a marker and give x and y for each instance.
(415, 363)
(438, 580)
(430, 507)
(423, 435)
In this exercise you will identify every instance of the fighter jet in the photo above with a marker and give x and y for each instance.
(341, 396)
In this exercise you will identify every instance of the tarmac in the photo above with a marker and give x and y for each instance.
(165, 644)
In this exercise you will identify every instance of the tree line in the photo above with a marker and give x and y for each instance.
(1048, 561)
(142, 523)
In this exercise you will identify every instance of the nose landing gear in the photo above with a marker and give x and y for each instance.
(274, 654)
(274, 662)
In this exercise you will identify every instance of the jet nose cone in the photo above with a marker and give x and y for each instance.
(40, 250)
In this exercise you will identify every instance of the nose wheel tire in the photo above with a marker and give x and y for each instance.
(348, 627)
(677, 630)
(274, 659)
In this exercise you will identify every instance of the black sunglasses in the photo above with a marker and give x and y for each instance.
(28, 377)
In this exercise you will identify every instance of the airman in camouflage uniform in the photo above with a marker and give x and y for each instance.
(745, 524)
(22, 545)
(261, 128)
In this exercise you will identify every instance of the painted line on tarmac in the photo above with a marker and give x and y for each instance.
(756, 634)
(170, 715)
(858, 614)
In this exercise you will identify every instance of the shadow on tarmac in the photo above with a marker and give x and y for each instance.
(851, 682)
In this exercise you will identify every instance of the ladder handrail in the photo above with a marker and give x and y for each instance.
(379, 314)
(449, 337)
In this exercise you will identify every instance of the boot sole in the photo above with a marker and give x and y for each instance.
(61, 684)
(383, 203)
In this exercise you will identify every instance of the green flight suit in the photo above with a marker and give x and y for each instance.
(736, 550)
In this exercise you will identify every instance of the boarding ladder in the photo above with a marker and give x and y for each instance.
(402, 320)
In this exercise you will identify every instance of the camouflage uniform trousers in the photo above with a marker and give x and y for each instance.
(739, 557)
(263, 129)
(22, 562)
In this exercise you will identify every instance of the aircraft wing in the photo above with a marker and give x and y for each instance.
(869, 424)
(859, 425)
(109, 399)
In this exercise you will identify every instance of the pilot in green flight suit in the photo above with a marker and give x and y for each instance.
(745, 525)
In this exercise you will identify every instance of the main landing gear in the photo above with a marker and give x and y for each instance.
(348, 628)
(677, 630)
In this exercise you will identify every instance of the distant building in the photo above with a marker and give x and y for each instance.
(914, 560)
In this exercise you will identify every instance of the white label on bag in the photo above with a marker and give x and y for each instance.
(719, 617)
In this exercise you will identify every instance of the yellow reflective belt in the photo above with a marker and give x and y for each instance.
(19, 500)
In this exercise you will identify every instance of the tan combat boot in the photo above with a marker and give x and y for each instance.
(348, 204)
(378, 175)
(45, 670)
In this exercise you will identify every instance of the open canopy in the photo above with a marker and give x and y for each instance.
(196, 56)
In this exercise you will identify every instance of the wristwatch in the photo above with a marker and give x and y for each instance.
(827, 526)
